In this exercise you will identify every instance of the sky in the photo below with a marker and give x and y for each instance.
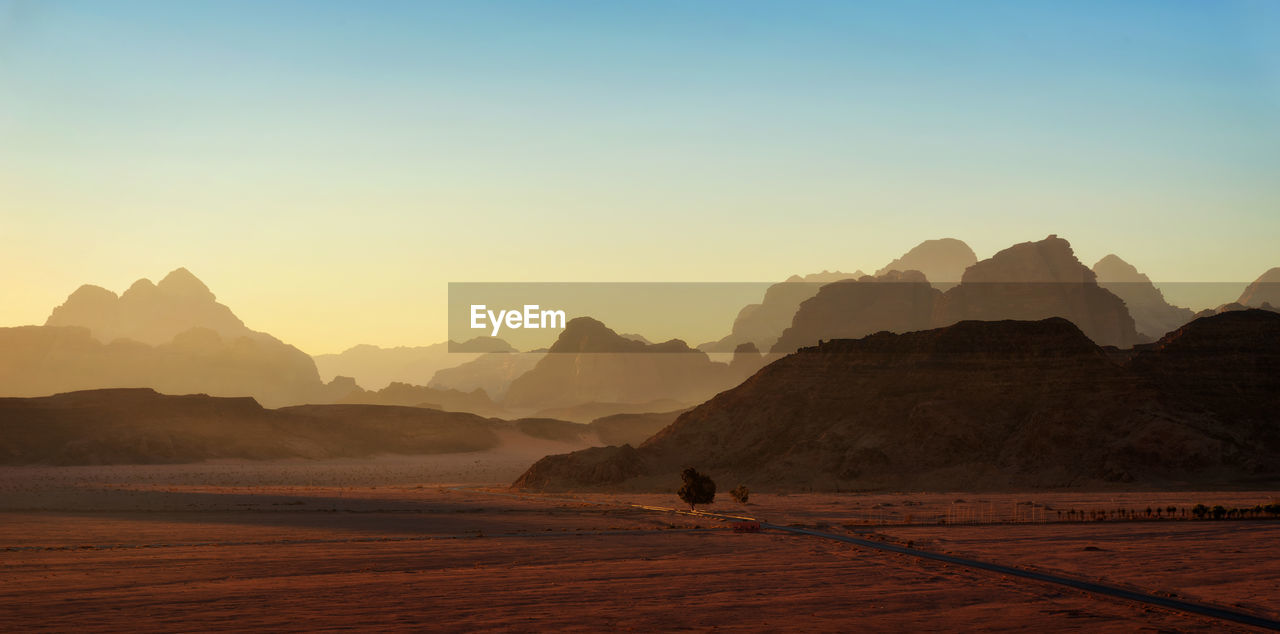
(327, 168)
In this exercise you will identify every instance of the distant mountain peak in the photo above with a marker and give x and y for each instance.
(1264, 290)
(943, 260)
(183, 283)
(586, 334)
(147, 312)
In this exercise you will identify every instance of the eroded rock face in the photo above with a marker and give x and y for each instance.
(942, 261)
(895, 302)
(1037, 280)
(1152, 315)
(1264, 290)
(981, 405)
(589, 363)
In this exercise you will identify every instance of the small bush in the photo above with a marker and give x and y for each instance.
(740, 494)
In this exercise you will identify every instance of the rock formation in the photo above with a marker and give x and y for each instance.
(941, 261)
(976, 405)
(1264, 290)
(589, 363)
(895, 301)
(41, 360)
(376, 368)
(149, 313)
(492, 372)
(762, 324)
(172, 336)
(1152, 315)
(1037, 280)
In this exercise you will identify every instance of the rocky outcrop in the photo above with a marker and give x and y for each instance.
(977, 405)
(1264, 290)
(149, 313)
(896, 302)
(762, 324)
(589, 363)
(1037, 280)
(1152, 315)
(942, 262)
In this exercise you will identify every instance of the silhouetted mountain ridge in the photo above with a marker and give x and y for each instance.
(976, 405)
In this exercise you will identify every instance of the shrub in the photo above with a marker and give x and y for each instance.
(740, 494)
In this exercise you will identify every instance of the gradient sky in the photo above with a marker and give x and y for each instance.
(326, 168)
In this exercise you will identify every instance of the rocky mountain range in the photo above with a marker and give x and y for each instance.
(976, 405)
(1028, 281)
(375, 367)
(1152, 315)
(590, 363)
(761, 324)
(173, 336)
(140, 426)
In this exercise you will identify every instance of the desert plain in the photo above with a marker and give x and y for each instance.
(441, 543)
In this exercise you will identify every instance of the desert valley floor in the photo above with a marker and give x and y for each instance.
(440, 543)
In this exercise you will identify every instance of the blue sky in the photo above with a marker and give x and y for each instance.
(350, 159)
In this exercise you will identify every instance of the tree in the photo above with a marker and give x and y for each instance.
(697, 489)
(740, 494)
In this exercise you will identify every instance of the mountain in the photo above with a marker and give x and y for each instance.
(763, 323)
(141, 426)
(172, 336)
(150, 313)
(589, 363)
(1264, 290)
(1037, 280)
(40, 360)
(1152, 315)
(972, 406)
(492, 372)
(405, 395)
(895, 301)
(746, 360)
(376, 367)
(941, 261)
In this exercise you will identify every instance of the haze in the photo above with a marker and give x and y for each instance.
(331, 159)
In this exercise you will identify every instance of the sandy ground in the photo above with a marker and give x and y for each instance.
(391, 544)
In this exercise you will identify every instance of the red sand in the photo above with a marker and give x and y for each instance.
(315, 546)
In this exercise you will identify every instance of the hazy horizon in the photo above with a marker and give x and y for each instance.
(328, 169)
